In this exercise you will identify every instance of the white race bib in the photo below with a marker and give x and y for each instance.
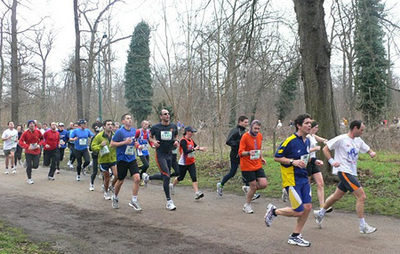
(166, 135)
(256, 155)
(305, 158)
(139, 152)
(130, 150)
(104, 151)
(175, 151)
(82, 141)
(191, 155)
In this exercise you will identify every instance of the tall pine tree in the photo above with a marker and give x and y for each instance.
(371, 62)
(138, 90)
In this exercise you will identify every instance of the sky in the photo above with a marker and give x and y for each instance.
(127, 15)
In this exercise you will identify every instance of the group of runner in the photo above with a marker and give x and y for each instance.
(115, 149)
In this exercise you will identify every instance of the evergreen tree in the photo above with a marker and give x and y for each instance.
(288, 91)
(371, 63)
(138, 90)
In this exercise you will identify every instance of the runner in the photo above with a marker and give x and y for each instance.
(18, 151)
(10, 138)
(51, 154)
(142, 136)
(63, 144)
(81, 138)
(187, 148)
(107, 155)
(71, 145)
(124, 141)
(293, 154)
(164, 139)
(251, 161)
(344, 165)
(29, 141)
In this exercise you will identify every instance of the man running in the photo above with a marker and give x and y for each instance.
(293, 155)
(142, 136)
(29, 141)
(164, 139)
(10, 138)
(124, 141)
(63, 144)
(81, 138)
(51, 144)
(251, 161)
(71, 146)
(344, 165)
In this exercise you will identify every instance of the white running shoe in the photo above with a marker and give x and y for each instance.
(318, 218)
(78, 177)
(7, 172)
(171, 189)
(219, 189)
(114, 203)
(50, 178)
(69, 163)
(146, 179)
(170, 205)
(247, 208)
(367, 229)
(57, 171)
(107, 196)
(199, 195)
(14, 171)
(298, 240)
(256, 196)
(102, 187)
(269, 215)
(135, 205)
(91, 187)
(30, 181)
(71, 166)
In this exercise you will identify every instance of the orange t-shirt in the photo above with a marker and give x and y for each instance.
(248, 143)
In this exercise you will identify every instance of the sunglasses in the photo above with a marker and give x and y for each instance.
(165, 114)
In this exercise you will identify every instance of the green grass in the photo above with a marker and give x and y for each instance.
(379, 178)
(13, 240)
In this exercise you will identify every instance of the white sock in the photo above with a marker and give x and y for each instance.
(134, 198)
(115, 196)
(361, 221)
(322, 211)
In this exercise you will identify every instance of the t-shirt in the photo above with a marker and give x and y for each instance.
(166, 134)
(346, 153)
(83, 136)
(13, 141)
(125, 152)
(294, 147)
(248, 143)
(313, 143)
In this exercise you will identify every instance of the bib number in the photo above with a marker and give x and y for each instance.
(130, 150)
(104, 151)
(305, 158)
(166, 135)
(82, 141)
(256, 155)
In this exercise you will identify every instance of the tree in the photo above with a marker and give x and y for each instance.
(77, 65)
(138, 90)
(371, 63)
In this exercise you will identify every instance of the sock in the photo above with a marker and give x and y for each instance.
(295, 234)
(361, 221)
(134, 198)
(322, 211)
(115, 196)
(273, 212)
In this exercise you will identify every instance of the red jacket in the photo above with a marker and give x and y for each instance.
(29, 138)
(51, 138)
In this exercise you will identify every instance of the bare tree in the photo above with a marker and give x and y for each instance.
(78, 76)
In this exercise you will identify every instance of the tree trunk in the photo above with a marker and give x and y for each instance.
(14, 65)
(316, 52)
(78, 77)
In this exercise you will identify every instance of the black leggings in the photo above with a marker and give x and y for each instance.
(32, 161)
(95, 167)
(86, 157)
(192, 171)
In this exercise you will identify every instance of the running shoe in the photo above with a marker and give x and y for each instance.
(199, 195)
(102, 187)
(170, 205)
(219, 189)
(247, 208)
(91, 187)
(146, 179)
(298, 240)
(114, 203)
(50, 178)
(269, 215)
(330, 209)
(69, 163)
(285, 195)
(111, 189)
(57, 171)
(78, 177)
(171, 189)
(135, 205)
(14, 171)
(7, 172)
(107, 196)
(84, 171)
(318, 218)
(367, 229)
(30, 181)
(256, 196)
(245, 189)
(71, 166)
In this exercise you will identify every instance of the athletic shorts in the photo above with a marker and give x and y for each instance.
(299, 195)
(312, 168)
(8, 152)
(250, 176)
(124, 166)
(105, 166)
(347, 182)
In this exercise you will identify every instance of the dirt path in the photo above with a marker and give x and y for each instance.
(74, 220)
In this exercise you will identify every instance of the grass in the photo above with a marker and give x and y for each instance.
(13, 240)
(379, 178)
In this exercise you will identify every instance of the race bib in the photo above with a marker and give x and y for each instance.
(175, 151)
(191, 155)
(139, 152)
(82, 141)
(130, 150)
(145, 147)
(256, 155)
(62, 142)
(166, 135)
(33, 145)
(104, 151)
(305, 158)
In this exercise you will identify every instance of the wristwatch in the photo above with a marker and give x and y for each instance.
(291, 162)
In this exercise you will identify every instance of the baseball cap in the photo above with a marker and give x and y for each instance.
(60, 124)
(81, 121)
(189, 128)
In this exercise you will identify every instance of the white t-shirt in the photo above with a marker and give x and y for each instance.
(12, 142)
(313, 143)
(346, 153)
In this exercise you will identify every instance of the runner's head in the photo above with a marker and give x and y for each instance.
(82, 123)
(53, 126)
(10, 124)
(189, 132)
(303, 124)
(314, 127)
(165, 116)
(61, 126)
(31, 125)
(243, 121)
(357, 128)
(126, 119)
(145, 124)
(255, 127)
(108, 125)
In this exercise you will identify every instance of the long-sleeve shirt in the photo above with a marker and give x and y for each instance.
(31, 138)
(51, 138)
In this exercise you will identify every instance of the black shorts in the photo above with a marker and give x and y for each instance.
(124, 166)
(312, 168)
(105, 166)
(347, 182)
(250, 176)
